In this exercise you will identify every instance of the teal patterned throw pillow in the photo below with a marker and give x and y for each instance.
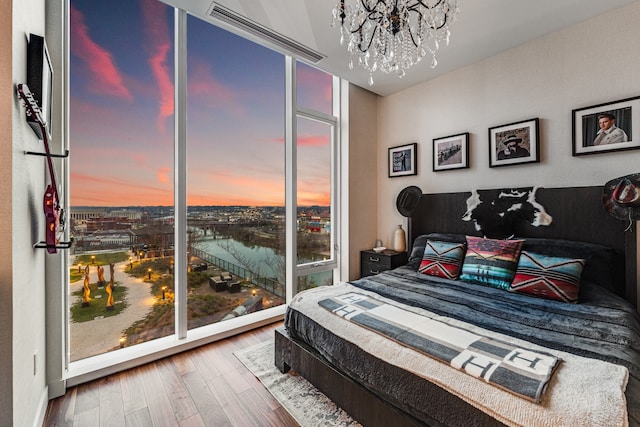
(491, 262)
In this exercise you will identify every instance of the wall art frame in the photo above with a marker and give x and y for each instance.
(40, 79)
(451, 152)
(607, 127)
(514, 143)
(403, 160)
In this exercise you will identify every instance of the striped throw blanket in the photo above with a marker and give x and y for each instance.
(522, 371)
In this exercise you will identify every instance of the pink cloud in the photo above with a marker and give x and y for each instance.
(158, 38)
(313, 141)
(108, 191)
(163, 174)
(105, 76)
(204, 86)
(308, 140)
(316, 81)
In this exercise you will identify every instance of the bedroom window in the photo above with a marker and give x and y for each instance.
(316, 196)
(235, 175)
(121, 170)
(125, 202)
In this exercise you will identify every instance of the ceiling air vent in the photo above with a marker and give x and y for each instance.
(238, 21)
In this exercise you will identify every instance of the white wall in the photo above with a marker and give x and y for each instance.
(593, 62)
(28, 399)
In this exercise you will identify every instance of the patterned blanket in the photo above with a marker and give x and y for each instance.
(521, 371)
(582, 391)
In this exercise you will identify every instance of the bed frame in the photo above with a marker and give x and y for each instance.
(578, 214)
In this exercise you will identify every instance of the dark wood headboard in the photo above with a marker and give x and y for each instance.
(577, 212)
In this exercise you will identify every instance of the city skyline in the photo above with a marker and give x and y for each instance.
(121, 113)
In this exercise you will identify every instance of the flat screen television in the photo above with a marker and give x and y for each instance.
(40, 79)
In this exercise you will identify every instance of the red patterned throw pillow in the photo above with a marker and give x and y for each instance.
(548, 277)
(442, 259)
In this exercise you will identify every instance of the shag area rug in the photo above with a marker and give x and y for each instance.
(303, 401)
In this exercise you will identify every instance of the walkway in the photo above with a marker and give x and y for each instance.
(101, 335)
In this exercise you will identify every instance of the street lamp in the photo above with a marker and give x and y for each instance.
(130, 263)
(149, 274)
(80, 268)
(164, 289)
(93, 259)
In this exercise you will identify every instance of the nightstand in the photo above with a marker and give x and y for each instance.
(375, 262)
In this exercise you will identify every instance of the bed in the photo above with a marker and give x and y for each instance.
(381, 377)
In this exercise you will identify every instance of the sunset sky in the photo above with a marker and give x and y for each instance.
(121, 113)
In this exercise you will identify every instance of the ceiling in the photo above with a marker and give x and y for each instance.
(483, 29)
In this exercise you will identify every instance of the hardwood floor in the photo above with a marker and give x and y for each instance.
(207, 386)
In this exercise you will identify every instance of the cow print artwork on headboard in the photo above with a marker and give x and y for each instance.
(496, 213)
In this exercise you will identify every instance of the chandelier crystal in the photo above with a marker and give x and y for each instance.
(393, 35)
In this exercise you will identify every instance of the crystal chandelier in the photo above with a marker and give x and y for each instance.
(393, 35)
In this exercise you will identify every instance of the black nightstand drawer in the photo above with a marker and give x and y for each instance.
(375, 262)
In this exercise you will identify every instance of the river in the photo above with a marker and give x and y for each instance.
(263, 261)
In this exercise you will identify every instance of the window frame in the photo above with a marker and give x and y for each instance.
(94, 367)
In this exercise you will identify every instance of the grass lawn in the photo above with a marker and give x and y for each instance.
(100, 259)
(98, 306)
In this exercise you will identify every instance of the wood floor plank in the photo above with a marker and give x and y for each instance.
(207, 386)
(88, 397)
(193, 421)
(157, 400)
(133, 398)
(205, 362)
(61, 410)
(88, 418)
(70, 409)
(268, 398)
(254, 404)
(111, 405)
(203, 396)
(181, 401)
(139, 418)
(237, 411)
(183, 362)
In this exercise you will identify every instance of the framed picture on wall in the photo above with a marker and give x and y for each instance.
(451, 152)
(40, 80)
(514, 143)
(403, 160)
(606, 127)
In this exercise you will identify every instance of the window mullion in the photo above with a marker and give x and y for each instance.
(290, 177)
(180, 173)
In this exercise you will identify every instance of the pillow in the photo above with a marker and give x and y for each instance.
(442, 259)
(417, 251)
(548, 277)
(602, 264)
(491, 262)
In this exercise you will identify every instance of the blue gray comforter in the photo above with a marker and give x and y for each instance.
(603, 326)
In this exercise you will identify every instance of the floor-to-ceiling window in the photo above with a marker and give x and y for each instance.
(235, 175)
(124, 211)
(121, 173)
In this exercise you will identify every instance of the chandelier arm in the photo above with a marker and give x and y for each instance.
(370, 16)
(364, 6)
(414, 8)
(413, 39)
(370, 41)
(425, 5)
